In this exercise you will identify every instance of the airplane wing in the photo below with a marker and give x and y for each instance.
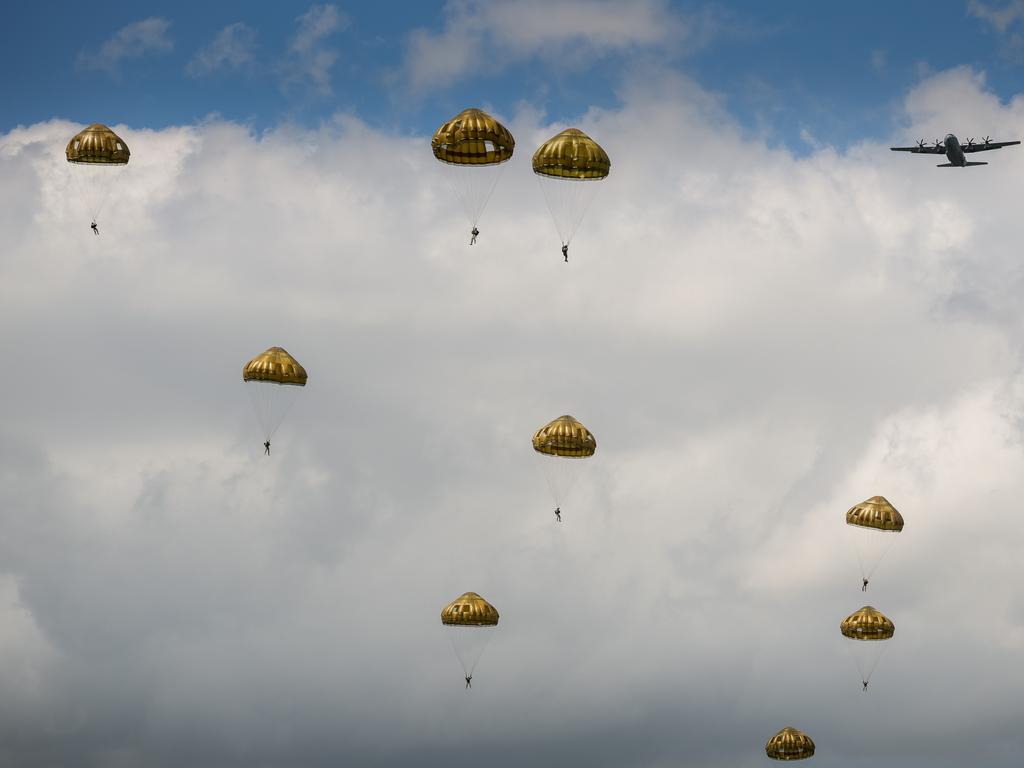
(926, 149)
(984, 146)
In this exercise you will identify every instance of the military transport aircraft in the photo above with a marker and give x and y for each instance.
(954, 151)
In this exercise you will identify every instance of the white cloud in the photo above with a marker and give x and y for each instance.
(1006, 19)
(486, 37)
(757, 340)
(309, 60)
(232, 48)
(132, 41)
(1000, 16)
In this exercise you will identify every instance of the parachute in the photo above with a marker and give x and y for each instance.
(560, 444)
(273, 379)
(473, 147)
(789, 744)
(470, 622)
(867, 627)
(98, 157)
(567, 166)
(872, 525)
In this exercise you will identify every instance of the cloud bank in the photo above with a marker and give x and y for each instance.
(758, 341)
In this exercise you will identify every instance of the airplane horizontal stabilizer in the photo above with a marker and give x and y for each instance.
(975, 163)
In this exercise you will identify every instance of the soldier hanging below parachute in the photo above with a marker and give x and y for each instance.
(568, 166)
(469, 621)
(473, 148)
(98, 157)
(868, 628)
(273, 378)
(873, 525)
(560, 445)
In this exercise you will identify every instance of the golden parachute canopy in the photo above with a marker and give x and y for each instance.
(277, 366)
(571, 154)
(469, 610)
(789, 744)
(473, 137)
(875, 513)
(867, 624)
(97, 145)
(564, 437)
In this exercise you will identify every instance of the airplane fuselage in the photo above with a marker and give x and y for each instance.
(954, 153)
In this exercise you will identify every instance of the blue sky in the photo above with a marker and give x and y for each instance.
(835, 70)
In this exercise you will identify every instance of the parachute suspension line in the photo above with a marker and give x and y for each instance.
(490, 191)
(107, 188)
(866, 658)
(554, 487)
(878, 561)
(469, 644)
(560, 474)
(473, 187)
(272, 402)
(856, 662)
(568, 200)
(94, 183)
(873, 662)
(871, 547)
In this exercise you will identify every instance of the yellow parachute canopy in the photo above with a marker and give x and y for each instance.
(472, 137)
(867, 624)
(275, 365)
(571, 155)
(564, 437)
(875, 513)
(789, 744)
(97, 144)
(469, 610)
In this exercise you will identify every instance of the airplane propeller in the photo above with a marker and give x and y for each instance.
(987, 140)
(920, 143)
(970, 142)
(938, 143)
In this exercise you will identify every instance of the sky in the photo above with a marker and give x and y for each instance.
(767, 317)
(787, 74)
